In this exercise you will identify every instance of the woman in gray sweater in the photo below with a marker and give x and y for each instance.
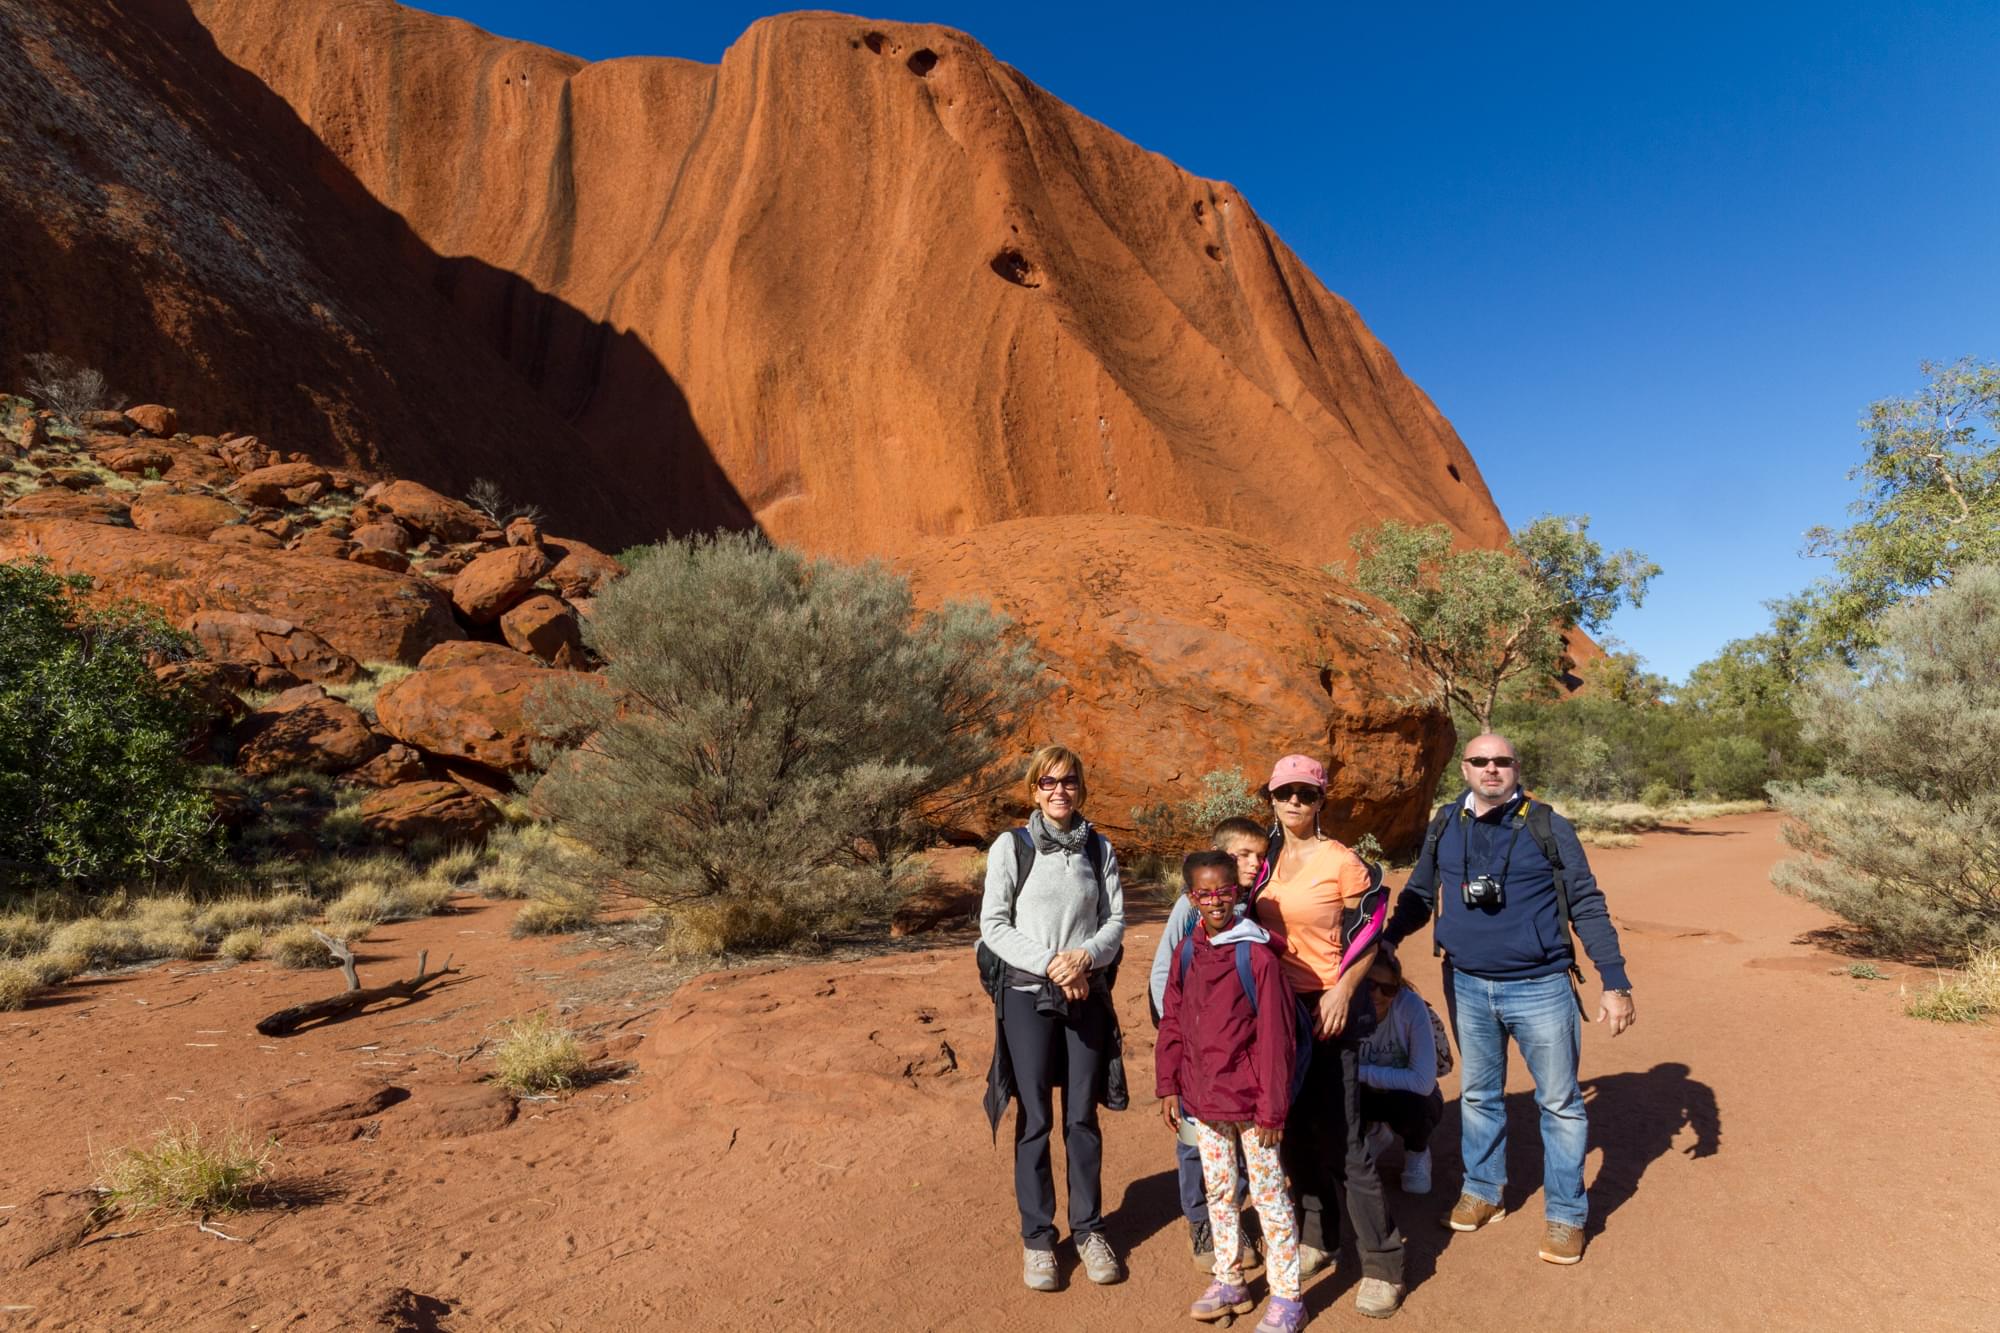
(1057, 929)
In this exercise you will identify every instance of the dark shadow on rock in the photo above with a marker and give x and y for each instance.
(365, 346)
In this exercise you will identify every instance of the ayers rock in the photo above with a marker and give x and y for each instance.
(859, 284)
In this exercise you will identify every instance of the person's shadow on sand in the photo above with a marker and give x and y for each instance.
(1635, 1119)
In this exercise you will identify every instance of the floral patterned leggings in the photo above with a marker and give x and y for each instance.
(1217, 1141)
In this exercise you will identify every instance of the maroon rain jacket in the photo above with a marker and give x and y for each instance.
(1224, 1061)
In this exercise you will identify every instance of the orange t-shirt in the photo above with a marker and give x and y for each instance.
(1303, 904)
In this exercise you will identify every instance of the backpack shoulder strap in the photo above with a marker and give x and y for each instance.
(1542, 830)
(1183, 955)
(1432, 835)
(1243, 974)
(1094, 849)
(1024, 855)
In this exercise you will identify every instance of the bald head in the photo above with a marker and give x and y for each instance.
(1490, 769)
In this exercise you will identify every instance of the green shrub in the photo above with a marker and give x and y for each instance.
(1903, 837)
(1729, 767)
(783, 732)
(1658, 795)
(93, 784)
(1171, 829)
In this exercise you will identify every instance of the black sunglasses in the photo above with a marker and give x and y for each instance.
(1301, 792)
(1388, 988)
(1069, 782)
(1497, 760)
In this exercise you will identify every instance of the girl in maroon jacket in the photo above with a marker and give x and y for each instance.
(1227, 1047)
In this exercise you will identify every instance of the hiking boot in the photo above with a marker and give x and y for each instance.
(1311, 1260)
(1221, 1301)
(1562, 1243)
(1038, 1269)
(1417, 1173)
(1202, 1238)
(1100, 1265)
(1378, 1299)
(1282, 1316)
(1472, 1213)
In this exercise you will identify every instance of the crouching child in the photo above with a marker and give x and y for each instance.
(1226, 1059)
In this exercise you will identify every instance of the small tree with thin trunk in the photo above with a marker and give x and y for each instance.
(1479, 618)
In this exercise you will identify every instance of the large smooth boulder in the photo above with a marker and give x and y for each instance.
(267, 485)
(157, 509)
(473, 652)
(469, 712)
(497, 581)
(55, 502)
(580, 568)
(1175, 651)
(544, 627)
(364, 613)
(153, 419)
(427, 511)
(441, 810)
(259, 640)
(323, 735)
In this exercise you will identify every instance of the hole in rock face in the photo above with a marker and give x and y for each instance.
(1012, 265)
(1200, 210)
(874, 41)
(1453, 469)
(922, 61)
(1214, 252)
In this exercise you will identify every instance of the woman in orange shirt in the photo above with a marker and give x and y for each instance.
(1329, 909)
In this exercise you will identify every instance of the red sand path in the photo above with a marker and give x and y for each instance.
(1774, 1146)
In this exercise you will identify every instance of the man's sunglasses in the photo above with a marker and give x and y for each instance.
(1497, 760)
(1301, 792)
(1069, 782)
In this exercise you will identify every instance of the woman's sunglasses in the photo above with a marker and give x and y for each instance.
(1497, 760)
(1388, 988)
(1297, 791)
(1069, 782)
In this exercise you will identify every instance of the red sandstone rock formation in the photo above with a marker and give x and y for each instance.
(1180, 651)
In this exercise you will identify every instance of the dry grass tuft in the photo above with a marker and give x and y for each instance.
(555, 907)
(23, 933)
(187, 1171)
(1593, 837)
(296, 946)
(538, 1056)
(1967, 997)
(18, 984)
(242, 945)
(360, 693)
(1638, 817)
(232, 915)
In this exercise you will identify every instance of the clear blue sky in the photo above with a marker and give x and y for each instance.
(1652, 261)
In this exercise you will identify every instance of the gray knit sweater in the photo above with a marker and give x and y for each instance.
(1060, 907)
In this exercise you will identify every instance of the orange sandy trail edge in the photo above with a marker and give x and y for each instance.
(1774, 1145)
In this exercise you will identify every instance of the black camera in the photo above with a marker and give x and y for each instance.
(1482, 892)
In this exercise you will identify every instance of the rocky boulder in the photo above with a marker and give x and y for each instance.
(580, 568)
(440, 810)
(472, 652)
(497, 581)
(399, 763)
(259, 640)
(1177, 651)
(54, 502)
(138, 458)
(427, 511)
(154, 419)
(363, 614)
(323, 735)
(157, 509)
(543, 626)
(479, 713)
(267, 485)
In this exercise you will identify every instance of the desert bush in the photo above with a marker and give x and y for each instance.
(1967, 997)
(93, 784)
(486, 496)
(299, 947)
(538, 1056)
(783, 730)
(98, 942)
(1902, 838)
(67, 389)
(187, 1170)
(242, 944)
(229, 916)
(556, 905)
(18, 984)
(1658, 795)
(1171, 829)
(1728, 767)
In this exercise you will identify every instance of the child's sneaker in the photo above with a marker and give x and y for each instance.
(1202, 1238)
(1221, 1301)
(1417, 1173)
(1282, 1316)
(1100, 1265)
(1038, 1269)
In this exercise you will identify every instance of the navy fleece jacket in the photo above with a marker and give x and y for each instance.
(1523, 938)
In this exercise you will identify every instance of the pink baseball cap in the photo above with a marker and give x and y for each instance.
(1297, 768)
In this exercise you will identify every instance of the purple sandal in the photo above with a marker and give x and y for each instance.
(1222, 1301)
(1282, 1316)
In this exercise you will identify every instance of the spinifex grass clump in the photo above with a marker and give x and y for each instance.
(187, 1170)
(538, 1056)
(1966, 998)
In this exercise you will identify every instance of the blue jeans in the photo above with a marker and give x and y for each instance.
(1542, 1018)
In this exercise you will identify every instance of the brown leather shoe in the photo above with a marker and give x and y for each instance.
(1562, 1243)
(1472, 1213)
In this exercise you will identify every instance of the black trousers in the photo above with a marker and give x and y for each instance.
(1410, 1116)
(1046, 1052)
(1327, 1157)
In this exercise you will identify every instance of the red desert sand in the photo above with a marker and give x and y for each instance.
(1774, 1146)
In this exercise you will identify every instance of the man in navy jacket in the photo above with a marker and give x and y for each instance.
(1508, 961)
